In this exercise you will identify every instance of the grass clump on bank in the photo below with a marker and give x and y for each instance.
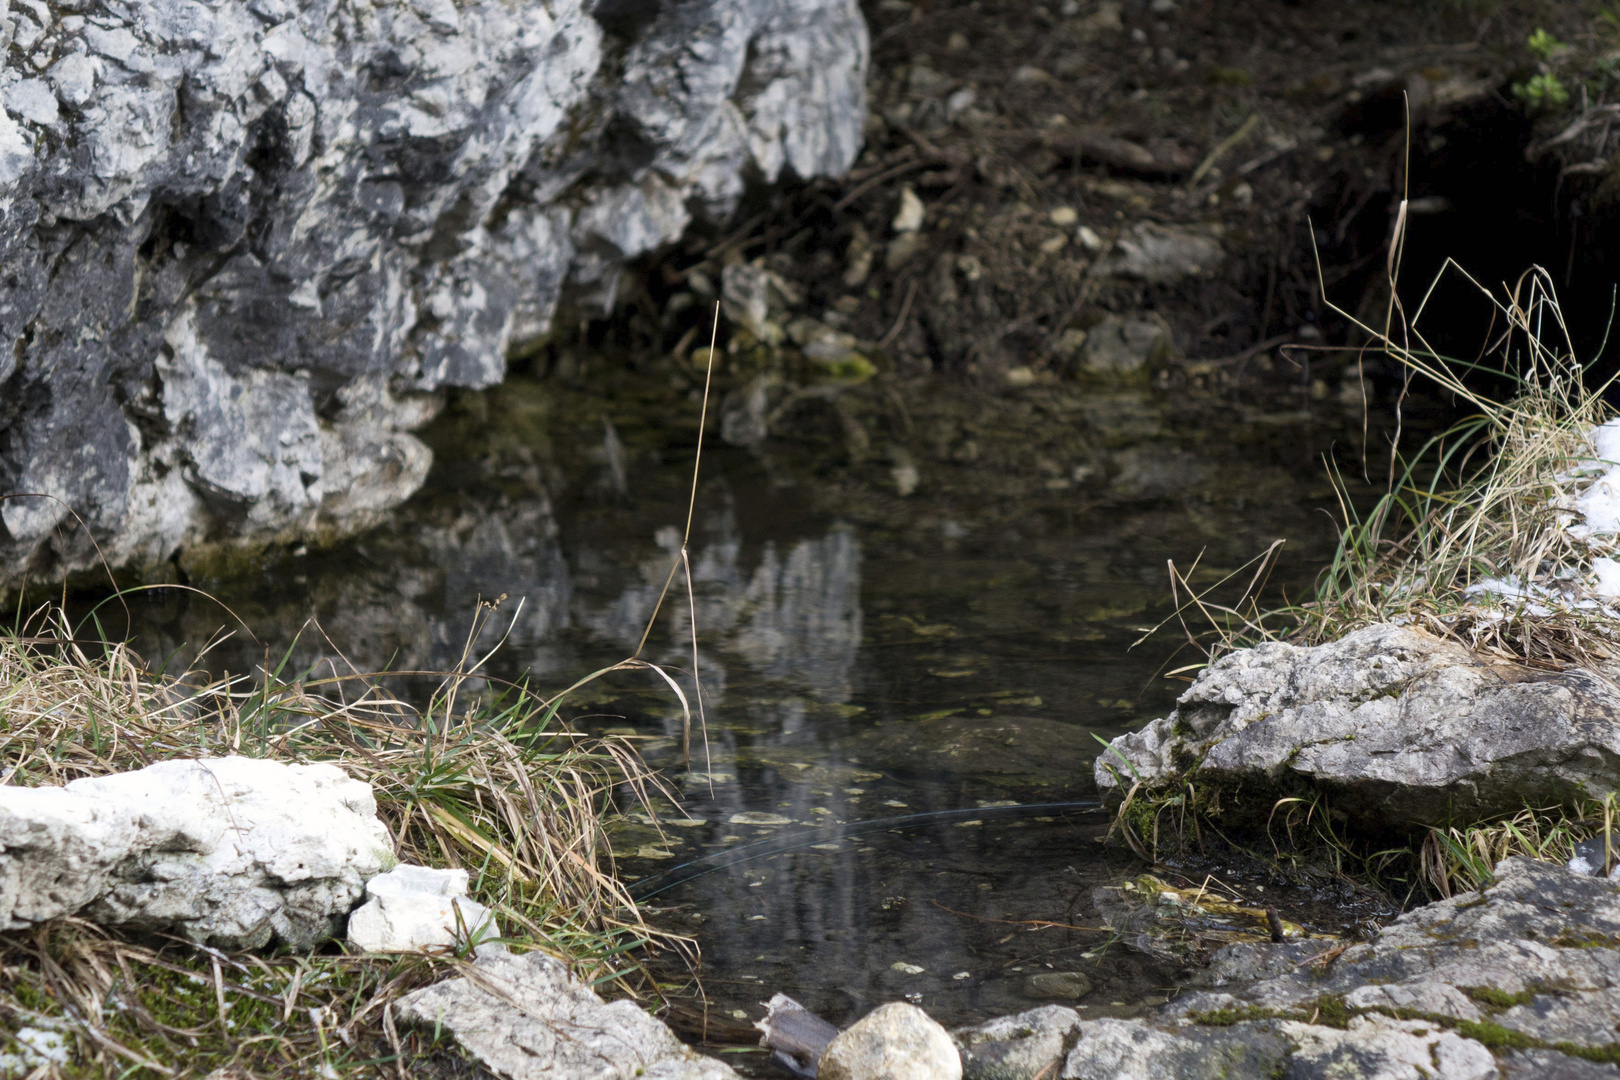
(1501, 534)
(484, 780)
(1493, 535)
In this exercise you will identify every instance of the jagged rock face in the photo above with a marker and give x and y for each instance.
(246, 244)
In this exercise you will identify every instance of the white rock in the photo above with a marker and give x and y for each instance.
(1402, 726)
(230, 851)
(417, 908)
(1024, 1046)
(526, 1017)
(1396, 1049)
(1606, 442)
(896, 1041)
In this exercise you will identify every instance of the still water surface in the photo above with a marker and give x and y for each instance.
(891, 797)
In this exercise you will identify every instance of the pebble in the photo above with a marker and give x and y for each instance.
(910, 217)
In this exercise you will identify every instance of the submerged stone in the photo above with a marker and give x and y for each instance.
(1068, 985)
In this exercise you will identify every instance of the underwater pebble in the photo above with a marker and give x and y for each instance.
(1069, 985)
(906, 969)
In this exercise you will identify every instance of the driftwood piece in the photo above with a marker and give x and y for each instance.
(796, 1035)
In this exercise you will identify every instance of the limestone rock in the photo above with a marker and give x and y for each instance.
(896, 1041)
(1023, 1047)
(1532, 963)
(416, 908)
(1387, 1047)
(526, 1017)
(1131, 1050)
(1401, 727)
(248, 243)
(233, 852)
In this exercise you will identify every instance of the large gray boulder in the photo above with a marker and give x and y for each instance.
(245, 244)
(234, 852)
(1401, 727)
(1521, 979)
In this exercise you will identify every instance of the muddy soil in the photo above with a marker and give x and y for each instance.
(1099, 192)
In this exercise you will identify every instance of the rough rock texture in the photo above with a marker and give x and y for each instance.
(1019, 1047)
(417, 908)
(228, 851)
(525, 1016)
(1521, 980)
(246, 242)
(896, 1041)
(1400, 726)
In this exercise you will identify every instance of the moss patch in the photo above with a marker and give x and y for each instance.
(1494, 996)
(1228, 1017)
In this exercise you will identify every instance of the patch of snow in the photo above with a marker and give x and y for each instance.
(37, 1049)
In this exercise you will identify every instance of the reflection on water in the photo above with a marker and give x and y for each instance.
(865, 659)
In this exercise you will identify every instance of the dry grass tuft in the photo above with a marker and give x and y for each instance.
(1478, 538)
(479, 778)
(1455, 860)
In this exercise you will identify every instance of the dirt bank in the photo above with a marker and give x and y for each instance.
(1140, 192)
